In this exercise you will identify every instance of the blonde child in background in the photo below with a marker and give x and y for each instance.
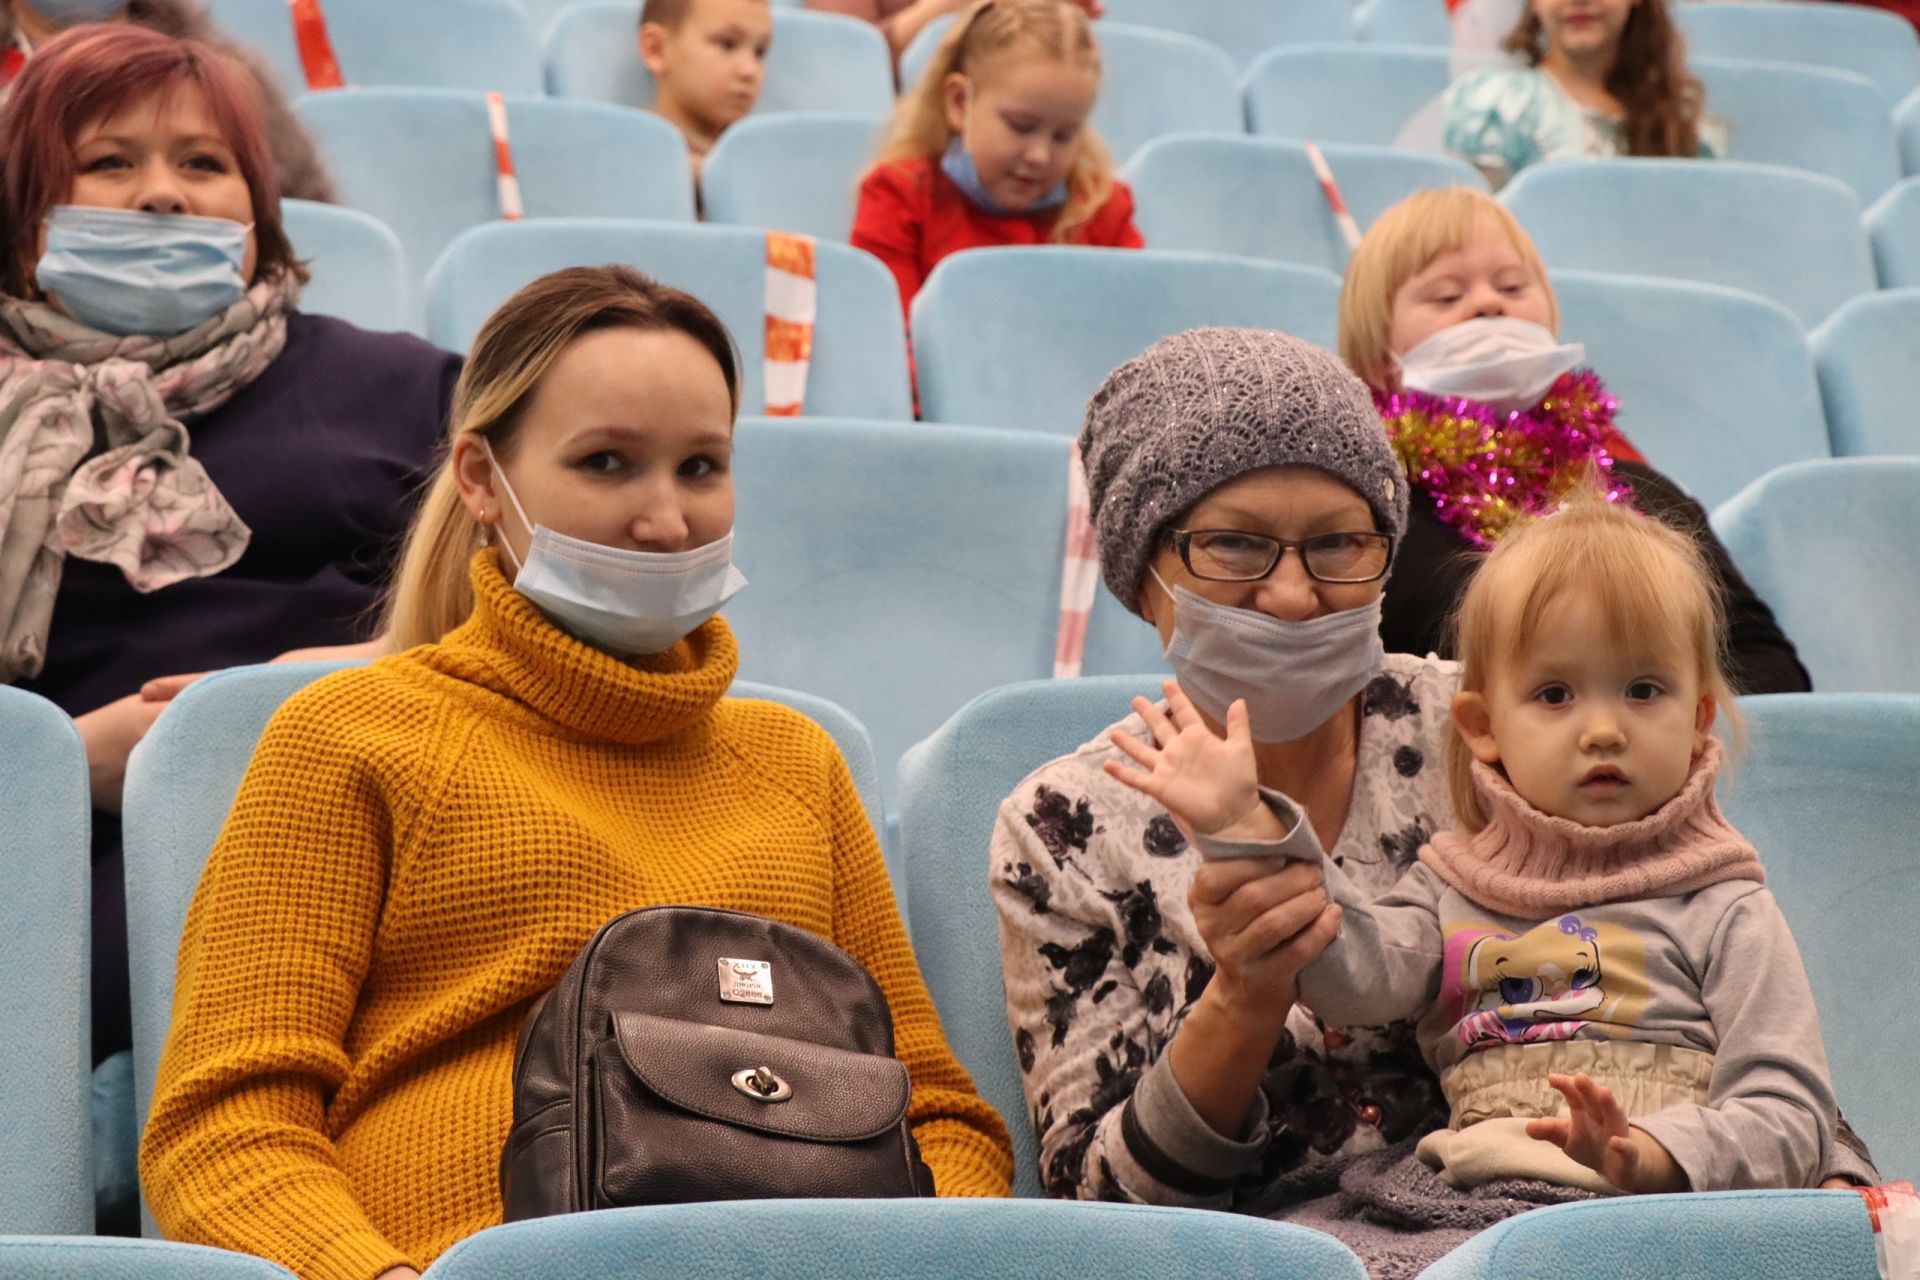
(708, 59)
(993, 147)
(1448, 315)
(1612, 999)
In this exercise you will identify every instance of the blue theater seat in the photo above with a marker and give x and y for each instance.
(901, 569)
(1403, 22)
(1022, 337)
(1716, 386)
(951, 786)
(818, 61)
(182, 779)
(1893, 224)
(898, 1240)
(46, 1174)
(795, 171)
(1259, 198)
(422, 161)
(859, 349)
(1881, 46)
(1829, 545)
(1826, 793)
(1242, 30)
(1868, 356)
(1823, 121)
(359, 269)
(101, 1258)
(1343, 93)
(1726, 1235)
(1906, 125)
(1793, 237)
(448, 44)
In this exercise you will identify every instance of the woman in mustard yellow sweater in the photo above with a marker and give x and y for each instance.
(421, 846)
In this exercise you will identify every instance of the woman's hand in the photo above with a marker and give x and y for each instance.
(1209, 784)
(398, 1273)
(1595, 1132)
(110, 734)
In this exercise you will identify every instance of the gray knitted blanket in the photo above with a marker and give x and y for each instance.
(1398, 1215)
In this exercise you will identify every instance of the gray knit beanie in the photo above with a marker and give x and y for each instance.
(1197, 410)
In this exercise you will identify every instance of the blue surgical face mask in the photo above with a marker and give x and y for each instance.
(622, 602)
(70, 13)
(127, 272)
(957, 164)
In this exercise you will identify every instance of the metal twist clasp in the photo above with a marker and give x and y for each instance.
(762, 1085)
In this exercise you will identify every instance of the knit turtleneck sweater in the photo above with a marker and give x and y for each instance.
(1528, 863)
(419, 850)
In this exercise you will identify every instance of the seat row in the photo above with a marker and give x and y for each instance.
(1823, 771)
(1020, 338)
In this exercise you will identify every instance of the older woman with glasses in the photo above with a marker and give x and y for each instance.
(1248, 505)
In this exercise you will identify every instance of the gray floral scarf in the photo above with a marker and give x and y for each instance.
(93, 453)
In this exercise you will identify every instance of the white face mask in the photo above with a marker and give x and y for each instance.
(624, 602)
(1500, 361)
(1293, 675)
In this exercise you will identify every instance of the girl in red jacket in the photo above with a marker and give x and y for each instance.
(993, 147)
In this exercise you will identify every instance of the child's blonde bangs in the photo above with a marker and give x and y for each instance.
(1400, 245)
(1655, 593)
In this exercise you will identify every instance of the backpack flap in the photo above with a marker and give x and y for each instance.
(812, 1091)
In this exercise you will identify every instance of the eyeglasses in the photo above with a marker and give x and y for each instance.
(1228, 555)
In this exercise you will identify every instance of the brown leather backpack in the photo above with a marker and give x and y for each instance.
(693, 1054)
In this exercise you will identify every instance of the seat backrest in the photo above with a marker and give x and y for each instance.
(1868, 357)
(181, 782)
(1241, 30)
(1153, 81)
(951, 787)
(1881, 46)
(1829, 546)
(1021, 337)
(898, 1240)
(449, 44)
(859, 365)
(359, 269)
(1259, 198)
(46, 1165)
(1716, 387)
(1793, 237)
(1403, 22)
(818, 61)
(902, 569)
(1783, 1235)
(109, 1258)
(422, 161)
(1343, 93)
(797, 171)
(1826, 794)
(1893, 224)
(1906, 125)
(1830, 122)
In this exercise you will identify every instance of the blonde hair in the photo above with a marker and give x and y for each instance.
(1653, 587)
(1398, 247)
(431, 593)
(992, 30)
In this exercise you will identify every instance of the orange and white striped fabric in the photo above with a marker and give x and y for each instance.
(510, 207)
(316, 47)
(1894, 1210)
(1079, 573)
(1349, 229)
(793, 304)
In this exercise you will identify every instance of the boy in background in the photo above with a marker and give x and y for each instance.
(708, 58)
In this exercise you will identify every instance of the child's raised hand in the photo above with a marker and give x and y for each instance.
(1209, 783)
(1596, 1133)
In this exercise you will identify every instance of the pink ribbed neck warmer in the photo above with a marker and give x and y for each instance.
(1528, 863)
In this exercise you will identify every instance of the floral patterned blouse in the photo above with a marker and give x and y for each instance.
(1102, 961)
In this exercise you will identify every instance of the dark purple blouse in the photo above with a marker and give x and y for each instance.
(322, 455)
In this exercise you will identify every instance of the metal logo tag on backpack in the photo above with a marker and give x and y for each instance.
(746, 981)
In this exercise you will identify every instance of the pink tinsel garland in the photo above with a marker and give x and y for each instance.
(1485, 470)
